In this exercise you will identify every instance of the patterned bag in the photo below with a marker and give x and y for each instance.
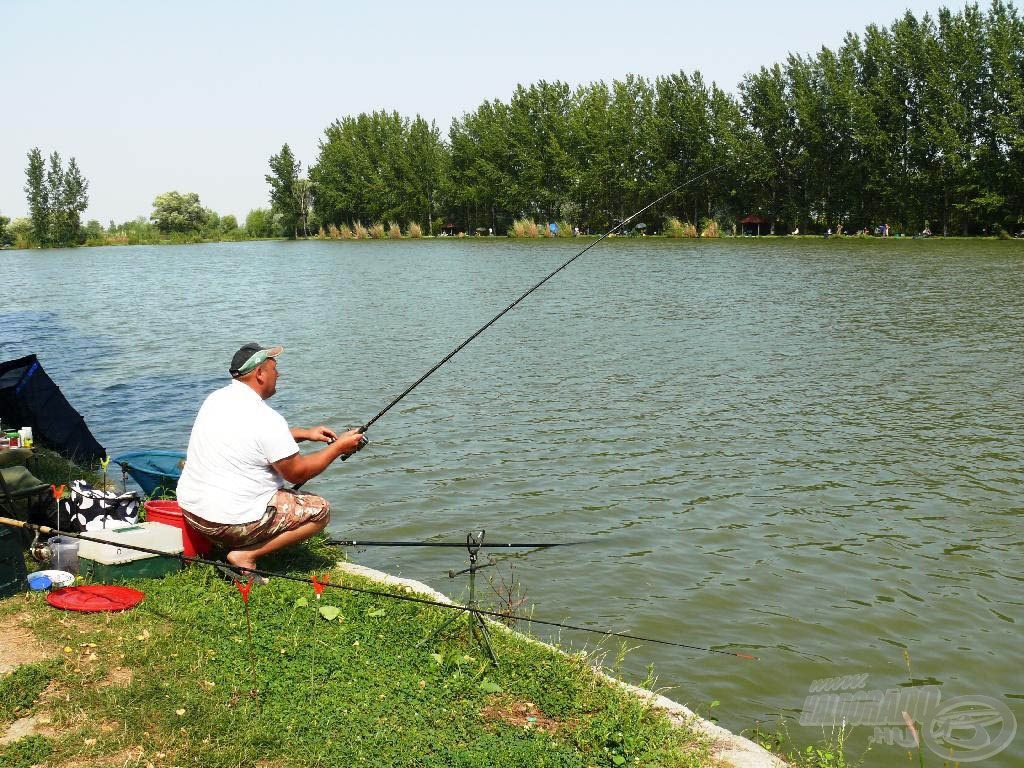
(87, 509)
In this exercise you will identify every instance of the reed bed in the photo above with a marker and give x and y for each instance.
(394, 231)
(414, 230)
(710, 229)
(377, 231)
(676, 228)
(525, 228)
(359, 231)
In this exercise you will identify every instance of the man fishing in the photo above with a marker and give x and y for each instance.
(241, 452)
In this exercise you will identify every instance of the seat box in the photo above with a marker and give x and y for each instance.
(12, 563)
(117, 561)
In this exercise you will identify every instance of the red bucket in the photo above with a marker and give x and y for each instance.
(169, 513)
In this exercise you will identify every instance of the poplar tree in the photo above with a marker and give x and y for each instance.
(57, 227)
(73, 202)
(284, 172)
(38, 196)
(57, 197)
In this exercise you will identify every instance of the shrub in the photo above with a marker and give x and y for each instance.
(394, 231)
(359, 232)
(564, 229)
(414, 229)
(20, 233)
(709, 228)
(377, 231)
(525, 228)
(332, 232)
(345, 232)
(260, 223)
(676, 228)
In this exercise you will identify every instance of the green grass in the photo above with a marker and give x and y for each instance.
(20, 689)
(356, 690)
(26, 753)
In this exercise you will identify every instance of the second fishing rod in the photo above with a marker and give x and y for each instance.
(514, 304)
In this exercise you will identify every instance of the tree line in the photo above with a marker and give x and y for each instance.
(916, 125)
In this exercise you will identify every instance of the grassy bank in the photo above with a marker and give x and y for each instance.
(190, 678)
(175, 682)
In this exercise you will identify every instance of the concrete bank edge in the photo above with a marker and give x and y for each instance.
(730, 749)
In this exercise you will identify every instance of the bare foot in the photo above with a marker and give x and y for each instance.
(241, 559)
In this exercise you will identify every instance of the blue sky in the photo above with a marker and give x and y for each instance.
(195, 96)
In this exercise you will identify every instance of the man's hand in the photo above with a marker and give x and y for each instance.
(351, 441)
(299, 467)
(319, 434)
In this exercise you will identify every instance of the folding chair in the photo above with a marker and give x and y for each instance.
(23, 496)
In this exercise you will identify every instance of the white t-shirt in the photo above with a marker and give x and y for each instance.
(228, 477)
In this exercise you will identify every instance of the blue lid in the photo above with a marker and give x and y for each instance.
(40, 582)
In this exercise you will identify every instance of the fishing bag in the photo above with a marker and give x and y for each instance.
(89, 509)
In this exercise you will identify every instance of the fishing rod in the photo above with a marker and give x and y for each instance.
(461, 544)
(510, 307)
(47, 530)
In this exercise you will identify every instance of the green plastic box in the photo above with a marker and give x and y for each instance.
(12, 563)
(116, 561)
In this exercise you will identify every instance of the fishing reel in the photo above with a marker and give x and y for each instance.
(40, 550)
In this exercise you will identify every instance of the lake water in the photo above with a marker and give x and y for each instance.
(810, 451)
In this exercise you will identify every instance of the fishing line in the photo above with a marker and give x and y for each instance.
(373, 592)
(497, 317)
(511, 306)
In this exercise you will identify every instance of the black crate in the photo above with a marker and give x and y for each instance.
(12, 563)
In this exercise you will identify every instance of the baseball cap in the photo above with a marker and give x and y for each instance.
(249, 356)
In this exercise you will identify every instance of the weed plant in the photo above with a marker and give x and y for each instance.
(829, 752)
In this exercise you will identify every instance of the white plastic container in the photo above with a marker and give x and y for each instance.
(116, 562)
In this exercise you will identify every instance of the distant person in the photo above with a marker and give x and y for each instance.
(795, 231)
(240, 454)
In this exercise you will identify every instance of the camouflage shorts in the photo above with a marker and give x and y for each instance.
(286, 511)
